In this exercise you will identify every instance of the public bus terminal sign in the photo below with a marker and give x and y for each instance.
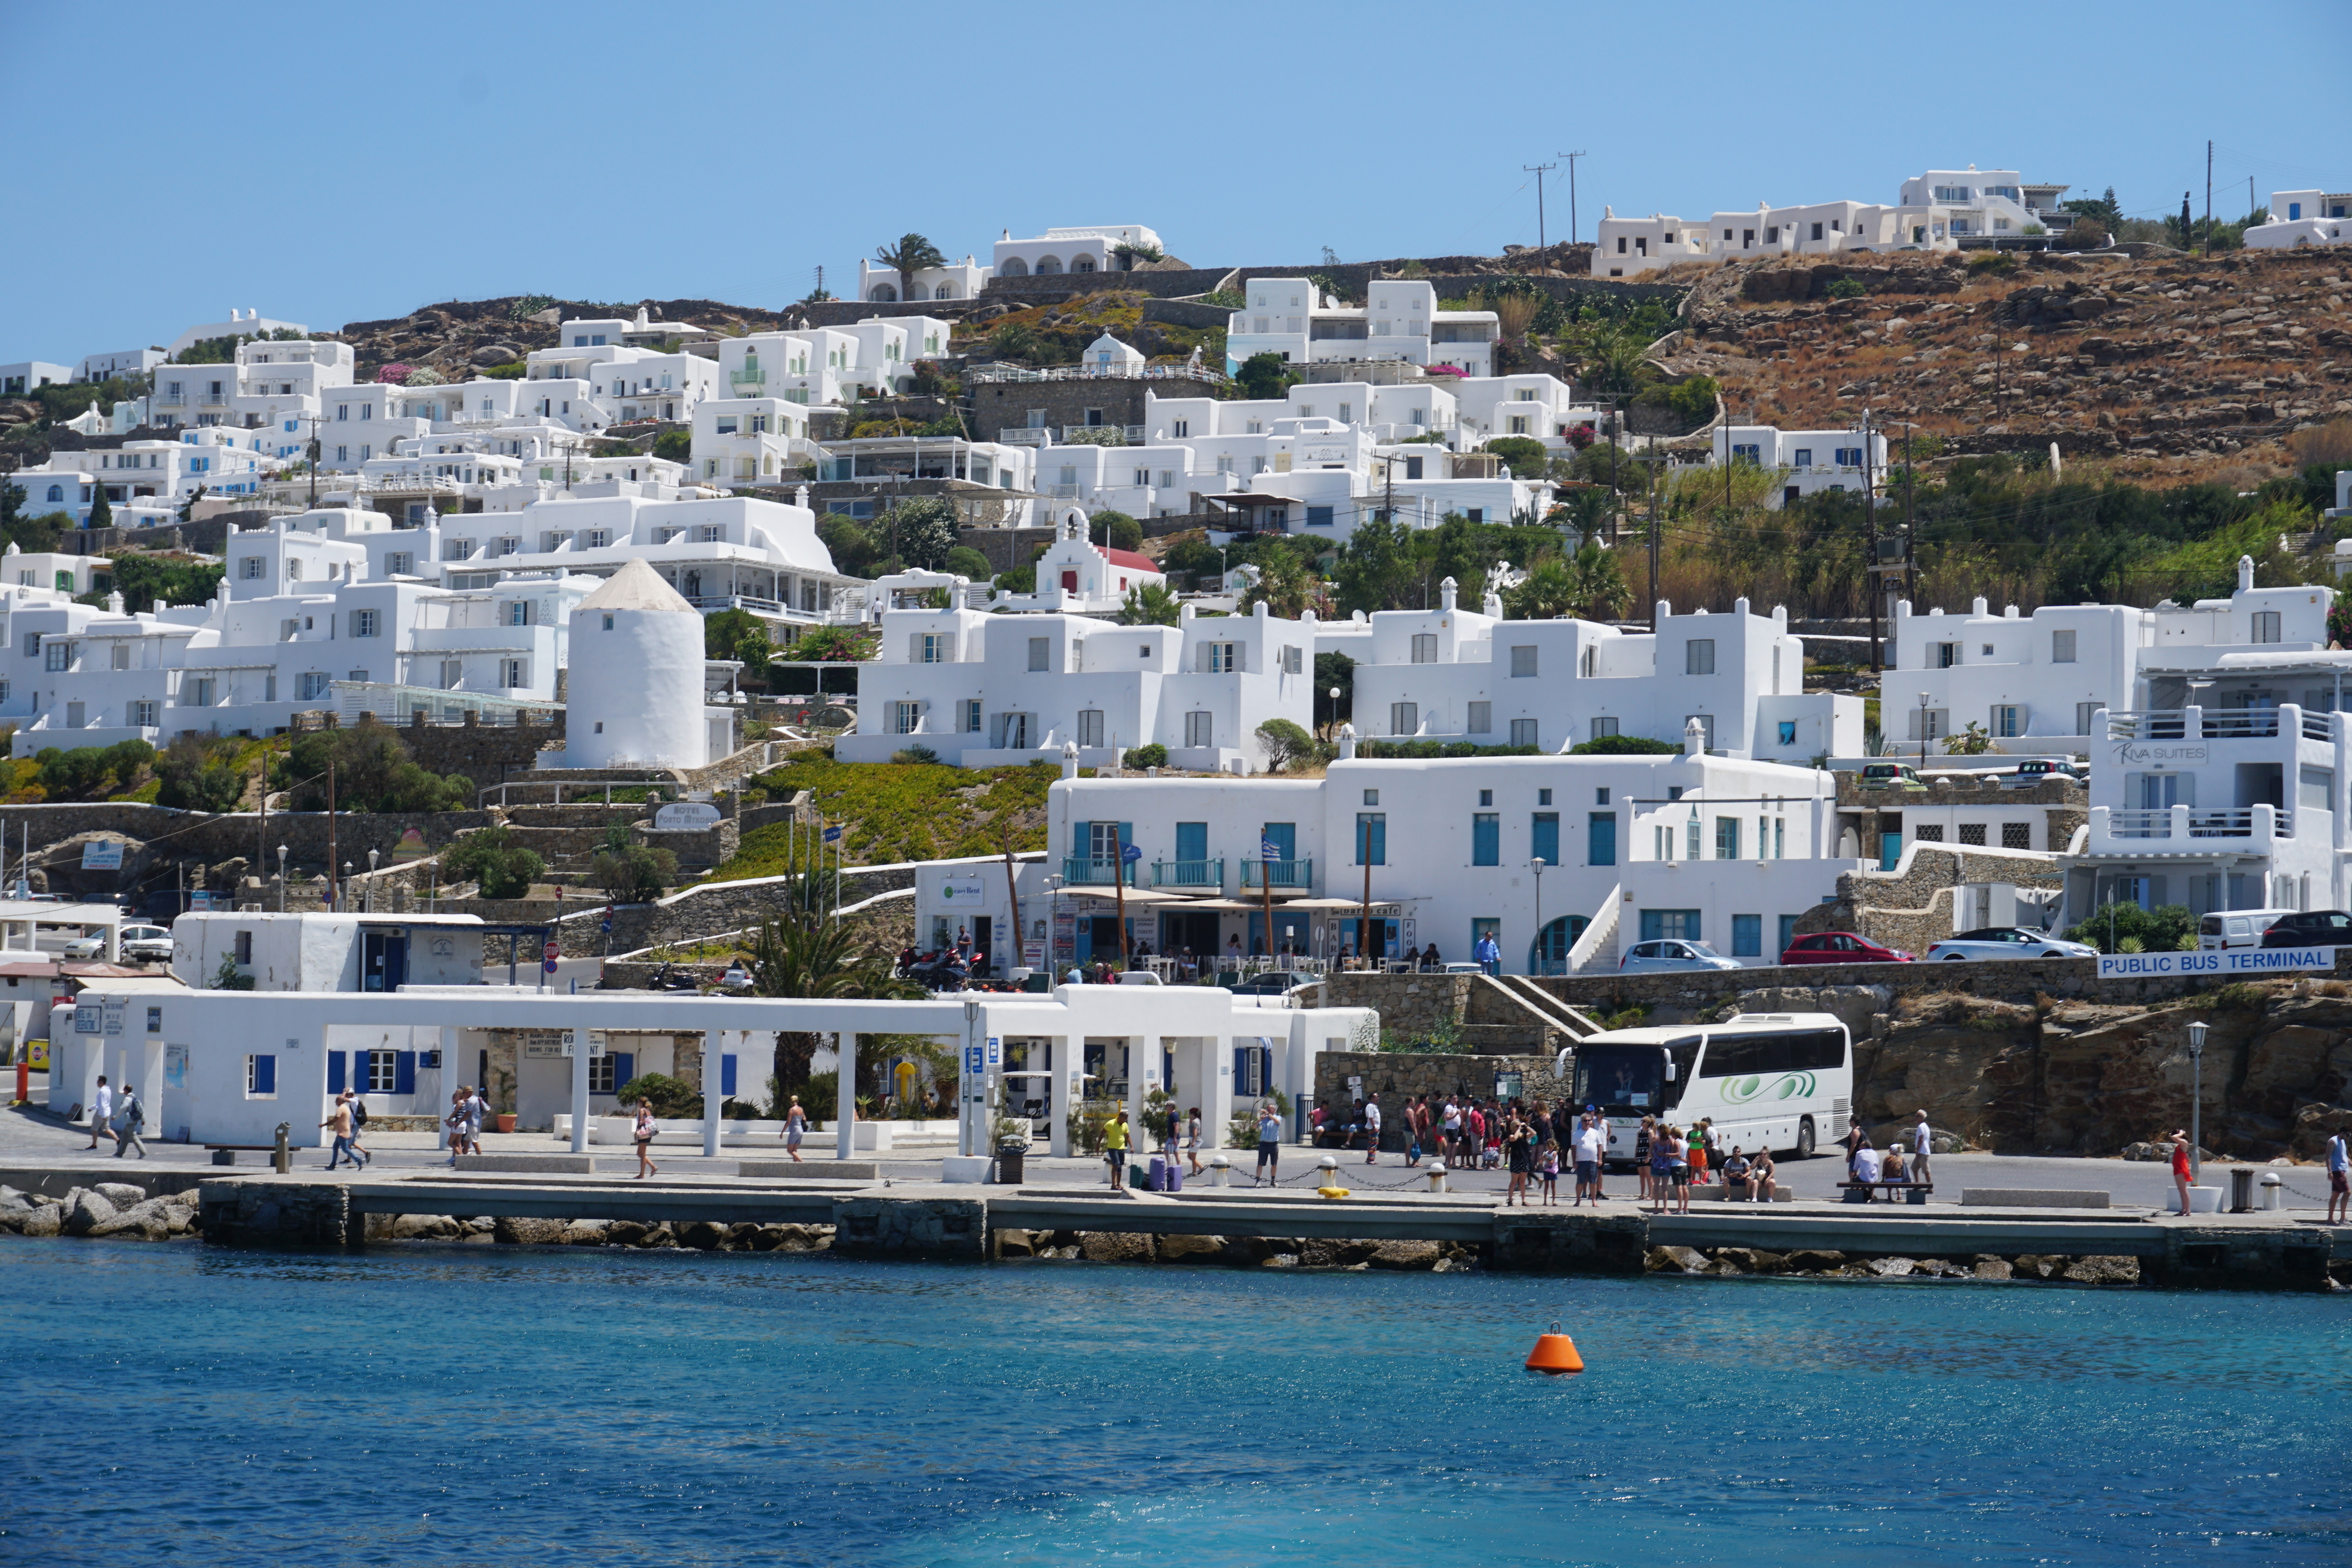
(2247, 961)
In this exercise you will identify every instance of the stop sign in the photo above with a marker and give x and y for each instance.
(554, 952)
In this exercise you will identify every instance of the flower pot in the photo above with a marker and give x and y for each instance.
(506, 1121)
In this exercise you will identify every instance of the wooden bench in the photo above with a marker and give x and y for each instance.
(1860, 1191)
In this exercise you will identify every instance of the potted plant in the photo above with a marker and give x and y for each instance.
(503, 1097)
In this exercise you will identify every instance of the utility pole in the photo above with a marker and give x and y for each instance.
(1652, 460)
(332, 903)
(1571, 158)
(1910, 525)
(1870, 512)
(2209, 198)
(317, 451)
(1537, 171)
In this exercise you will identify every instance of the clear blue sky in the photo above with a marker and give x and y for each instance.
(327, 163)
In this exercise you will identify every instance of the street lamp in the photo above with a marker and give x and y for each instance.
(1923, 732)
(2195, 1101)
(281, 879)
(1334, 694)
(370, 890)
(1537, 865)
(1053, 891)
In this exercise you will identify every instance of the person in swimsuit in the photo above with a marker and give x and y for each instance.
(2180, 1171)
(795, 1125)
(644, 1139)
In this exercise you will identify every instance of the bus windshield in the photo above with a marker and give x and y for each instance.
(1622, 1079)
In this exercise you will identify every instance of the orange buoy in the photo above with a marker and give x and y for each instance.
(1554, 1353)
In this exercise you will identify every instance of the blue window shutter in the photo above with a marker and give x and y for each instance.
(625, 1067)
(265, 1075)
(403, 1073)
(727, 1075)
(334, 1072)
(1082, 840)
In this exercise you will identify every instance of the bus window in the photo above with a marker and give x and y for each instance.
(1621, 1080)
(1686, 1055)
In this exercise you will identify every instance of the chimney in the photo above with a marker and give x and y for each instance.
(1446, 593)
(1347, 741)
(2245, 573)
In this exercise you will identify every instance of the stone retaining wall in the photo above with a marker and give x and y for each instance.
(1399, 1077)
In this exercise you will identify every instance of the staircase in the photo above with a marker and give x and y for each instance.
(1562, 1017)
(1596, 946)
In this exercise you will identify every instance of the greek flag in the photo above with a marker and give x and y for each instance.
(1269, 850)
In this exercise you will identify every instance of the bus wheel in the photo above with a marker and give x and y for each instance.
(1805, 1139)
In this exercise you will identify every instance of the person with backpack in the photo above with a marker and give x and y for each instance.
(130, 1117)
(359, 1125)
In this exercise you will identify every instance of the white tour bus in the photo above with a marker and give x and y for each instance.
(1778, 1081)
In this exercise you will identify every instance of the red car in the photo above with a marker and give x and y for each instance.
(1841, 948)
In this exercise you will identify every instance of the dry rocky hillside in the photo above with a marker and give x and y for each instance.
(460, 336)
(2155, 361)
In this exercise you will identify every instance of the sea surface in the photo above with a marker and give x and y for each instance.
(460, 1405)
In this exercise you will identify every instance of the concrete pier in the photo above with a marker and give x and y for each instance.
(935, 1221)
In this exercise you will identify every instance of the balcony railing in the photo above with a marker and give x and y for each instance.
(1205, 875)
(1076, 434)
(2183, 822)
(1081, 871)
(1101, 373)
(2220, 724)
(1291, 876)
(752, 377)
(1025, 435)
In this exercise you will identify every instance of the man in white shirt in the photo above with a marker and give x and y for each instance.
(1372, 1131)
(2339, 1180)
(1865, 1167)
(1453, 1132)
(1920, 1140)
(102, 1112)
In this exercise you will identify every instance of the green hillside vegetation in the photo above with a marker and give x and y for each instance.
(899, 812)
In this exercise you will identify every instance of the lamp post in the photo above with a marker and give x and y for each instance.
(1334, 694)
(371, 891)
(1537, 865)
(281, 879)
(1923, 732)
(1053, 891)
(338, 894)
(2196, 1102)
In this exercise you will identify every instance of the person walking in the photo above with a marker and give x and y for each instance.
(1269, 1145)
(1193, 1139)
(1548, 1167)
(1922, 1140)
(1856, 1140)
(795, 1128)
(2339, 1180)
(1115, 1148)
(454, 1121)
(1372, 1130)
(340, 1121)
(101, 1111)
(130, 1117)
(2180, 1171)
(359, 1126)
(642, 1135)
(478, 1111)
(1587, 1161)
(1489, 954)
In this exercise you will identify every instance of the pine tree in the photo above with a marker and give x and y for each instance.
(101, 515)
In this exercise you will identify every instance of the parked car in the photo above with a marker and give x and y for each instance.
(143, 942)
(1671, 954)
(2226, 928)
(2033, 770)
(1271, 983)
(1841, 948)
(2006, 942)
(2311, 928)
(1890, 776)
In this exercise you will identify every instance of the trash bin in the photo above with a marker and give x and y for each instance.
(2241, 1190)
(1008, 1157)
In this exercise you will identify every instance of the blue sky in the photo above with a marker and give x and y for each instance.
(329, 163)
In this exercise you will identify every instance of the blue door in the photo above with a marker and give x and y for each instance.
(1543, 837)
(1601, 838)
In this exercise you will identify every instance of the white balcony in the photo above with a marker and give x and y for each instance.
(2187, 830)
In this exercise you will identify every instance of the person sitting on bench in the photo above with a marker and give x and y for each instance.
(1735, 1176)
(1759, 1175)
(1865, 1169)
(1895, 1170)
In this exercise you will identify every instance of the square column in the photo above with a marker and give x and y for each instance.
(1062, 1092)
(713, 1075)
(1144, 1069)
(844, 1106)
(580, 1049)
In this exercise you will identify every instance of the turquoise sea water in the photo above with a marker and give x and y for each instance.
(461, 1405)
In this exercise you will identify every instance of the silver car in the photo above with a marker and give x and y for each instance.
(1671, 954)
(147, 942)
(2007, 941)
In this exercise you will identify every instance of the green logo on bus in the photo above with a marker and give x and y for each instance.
(1780, 1086)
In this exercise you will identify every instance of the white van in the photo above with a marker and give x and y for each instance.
(2226, 928)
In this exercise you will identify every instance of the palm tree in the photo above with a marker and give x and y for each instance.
(1284, 585)
(1151, 604)
(1546, 593)
(803, 955)
(910, 256)
(1597, 583)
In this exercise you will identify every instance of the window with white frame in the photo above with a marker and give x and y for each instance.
(1603, 728)
(58, 655)
(250, 568)
(2266, 626)
(2084, 715)
(1404, 718)
(970, 710)
(399, 563)
(197, 691)
(1523, 659)
(382, 1072)
(1482, 719)
(1943, 656)
(934, 648)
(519, 613)
(2061, 647)
(1523, 732)
(364, 622)
(312, 686)
(906, 717)
(1698, 656)
(2006, 721)
(600, 1074)
(1220, 658)
(1200, 729)
(142, 714)
(1090, 727)
(1424, 647)
(514, 672)
(1929, 722)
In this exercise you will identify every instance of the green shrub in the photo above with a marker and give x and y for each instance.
(92, 772)
(372, 772)
(1526, 457)
(227, 978)
(200, 773)
(631, 872)
(1997, 262)
(512, 370)
(1152, 756)
(492, 857)
(897, 812)
(1241, 1131)
(1622, 746)
(670, 1096)
(1846, 288)
(1115, 531)
(1285, 743)
(968, 563)
(914, 755)
(2167, 928)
